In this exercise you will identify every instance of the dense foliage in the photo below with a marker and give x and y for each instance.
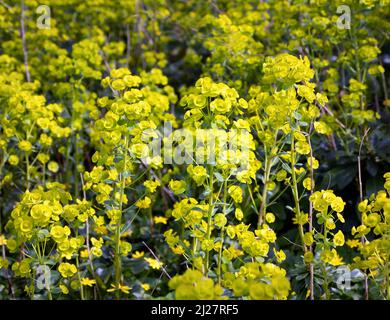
(165, 149)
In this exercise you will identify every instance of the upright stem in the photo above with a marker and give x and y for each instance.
(76, 176)
(386, 95)
(7, 273)
(294, 188)
(311, 266)
(118, 263)
(40, 253)
(24, 44)
(151, 227)
(34, 275)
(209, 217)
(387, 277)
(87, 232)
(361, 199)
(263, 206)
(27, 173)
(49, 294)
(222, 234)
(128, 45)
(326, 282)
(79, 278)
(325, 272)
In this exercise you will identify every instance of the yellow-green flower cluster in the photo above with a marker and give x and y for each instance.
(193, 285)
(259, 281)
(372, 237)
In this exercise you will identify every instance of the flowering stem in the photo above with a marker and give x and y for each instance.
(194, 246)
(27, 173)
(79, 278)
(386, 95)
(219, 271)
(387, 277)
(323, 266)
(151, 227)
(5, 270)
(41, 260)
(118, 266)
(311, 266)
(220, 256)
(263, 206)
(361, 199)
(87, 232)
(326, 284)
(24, 44)
(32, 292)
(295, 189)
(210, 213)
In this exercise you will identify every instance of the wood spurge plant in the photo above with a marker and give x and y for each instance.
(194, 150)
